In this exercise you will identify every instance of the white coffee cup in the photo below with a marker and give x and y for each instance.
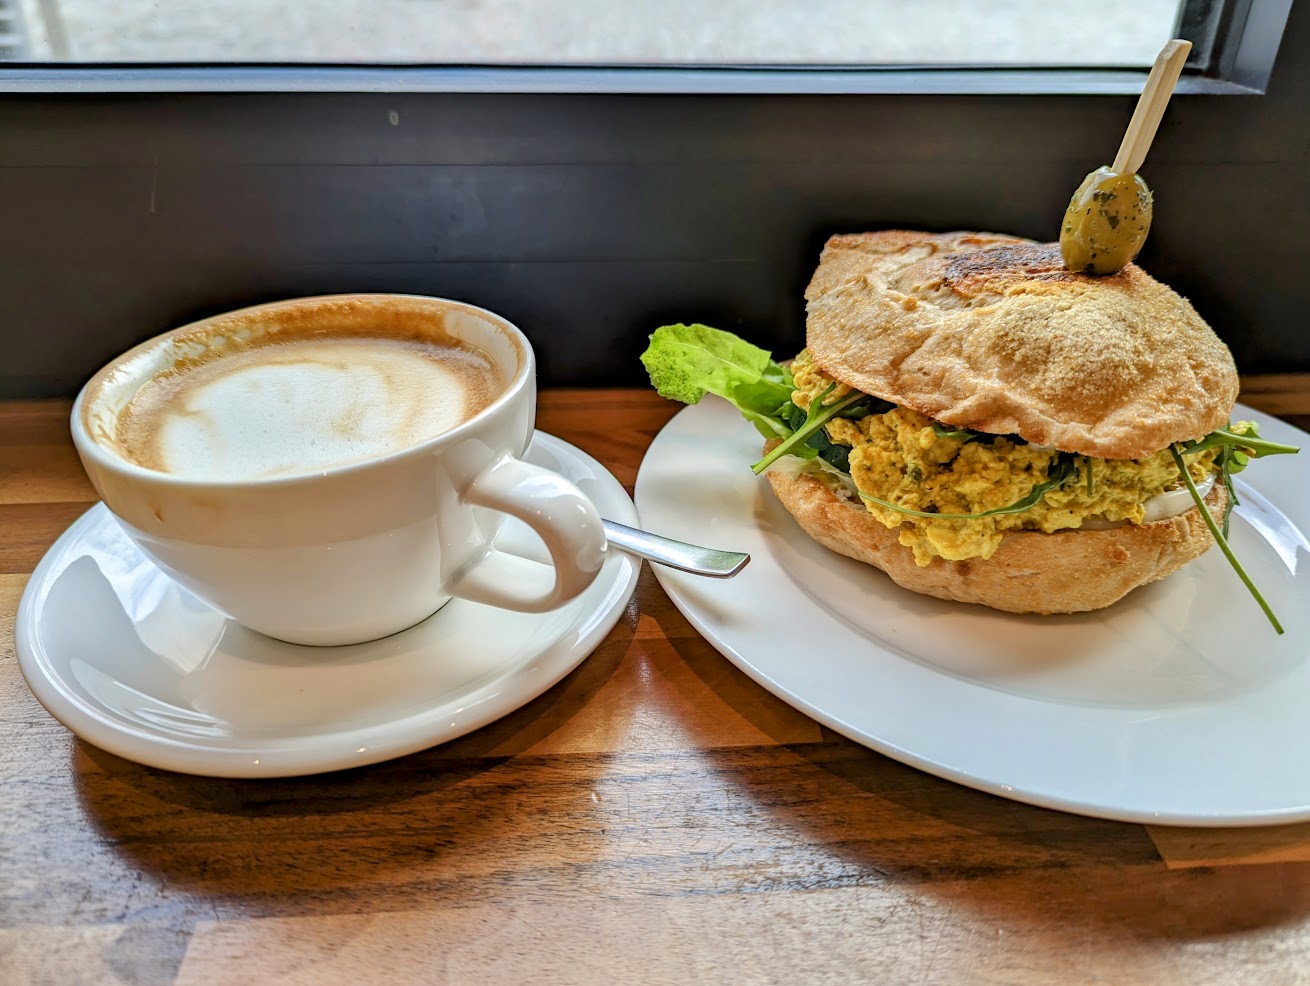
(364, 549)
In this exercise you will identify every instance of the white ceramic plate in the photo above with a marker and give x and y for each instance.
(1177, 705)
(138, 666)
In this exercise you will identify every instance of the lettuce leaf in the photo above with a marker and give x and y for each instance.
(686, 362)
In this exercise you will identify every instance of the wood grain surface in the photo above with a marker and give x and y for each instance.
(654, 818)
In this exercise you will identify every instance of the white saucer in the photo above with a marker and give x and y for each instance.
(1178, 704)
(129, 661)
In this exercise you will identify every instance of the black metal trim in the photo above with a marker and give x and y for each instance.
(45, 78)
(1251, 39)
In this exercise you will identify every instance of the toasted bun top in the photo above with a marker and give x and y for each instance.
(992, 333)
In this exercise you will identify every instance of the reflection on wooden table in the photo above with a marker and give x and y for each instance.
(655, 817)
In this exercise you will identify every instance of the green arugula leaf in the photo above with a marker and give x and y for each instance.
(967, 435)
(1250, 445)
(819, 443)
(1219, 536)
(1061, 471)
(1236, 449)
(831, 452)
(815, 419)
(1227, 459)
(872, 405)
(946, 431)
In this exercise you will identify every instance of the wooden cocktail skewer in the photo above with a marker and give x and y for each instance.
(1150, 107)
(1110, 214)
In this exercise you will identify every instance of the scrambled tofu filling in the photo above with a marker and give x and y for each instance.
(897, 456)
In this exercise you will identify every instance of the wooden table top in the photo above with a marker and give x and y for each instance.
(656, 817)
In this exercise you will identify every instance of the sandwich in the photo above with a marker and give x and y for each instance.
(984, 425)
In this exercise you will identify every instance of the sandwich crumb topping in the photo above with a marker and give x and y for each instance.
(994, 334)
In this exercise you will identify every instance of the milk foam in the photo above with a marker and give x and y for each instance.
(302, 407)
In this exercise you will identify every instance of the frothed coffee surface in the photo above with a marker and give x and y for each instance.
(302, 405)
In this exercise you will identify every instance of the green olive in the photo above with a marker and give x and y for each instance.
(1106, 222)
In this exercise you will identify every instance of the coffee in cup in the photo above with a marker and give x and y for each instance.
(281, 406)
(331, 470)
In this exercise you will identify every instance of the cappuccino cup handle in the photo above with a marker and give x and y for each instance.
(563, 518)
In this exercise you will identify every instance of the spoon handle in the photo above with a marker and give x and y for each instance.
(675, 554)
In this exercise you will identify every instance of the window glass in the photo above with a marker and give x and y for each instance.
(1123, 33)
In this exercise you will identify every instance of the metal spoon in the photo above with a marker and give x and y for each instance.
(675, 554)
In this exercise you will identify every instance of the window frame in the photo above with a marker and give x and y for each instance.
(1236, 58)
(136, 200)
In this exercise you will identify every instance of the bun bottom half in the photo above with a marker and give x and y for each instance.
(1031, 572)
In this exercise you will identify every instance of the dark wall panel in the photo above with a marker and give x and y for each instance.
(591, 219)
